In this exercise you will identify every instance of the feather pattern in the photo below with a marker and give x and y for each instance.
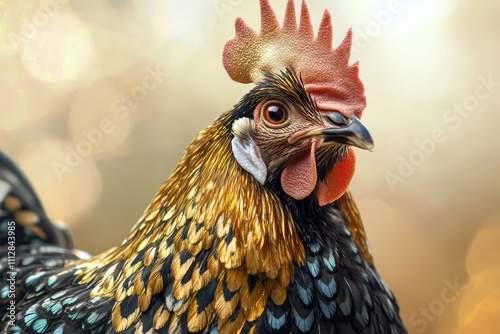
(216, 250)
(247, 258)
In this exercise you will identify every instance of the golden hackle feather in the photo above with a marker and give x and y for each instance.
(208, 207)
(225, 307)
(161, 317)
(243, 225)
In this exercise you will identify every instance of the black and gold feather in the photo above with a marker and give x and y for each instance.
(214, 252)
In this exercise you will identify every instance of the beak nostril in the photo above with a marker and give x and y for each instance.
(353, 133)
(338, 119)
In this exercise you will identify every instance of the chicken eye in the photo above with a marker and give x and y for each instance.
(275, 114)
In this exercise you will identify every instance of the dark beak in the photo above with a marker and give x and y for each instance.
(354, 133)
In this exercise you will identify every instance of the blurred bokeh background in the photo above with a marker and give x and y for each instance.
(98, 99)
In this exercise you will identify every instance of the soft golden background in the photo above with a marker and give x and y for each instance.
(67, 66)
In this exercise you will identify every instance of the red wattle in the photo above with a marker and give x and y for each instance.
(299, 177)
(338, 180)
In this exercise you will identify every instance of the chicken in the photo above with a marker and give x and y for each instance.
(253, 232)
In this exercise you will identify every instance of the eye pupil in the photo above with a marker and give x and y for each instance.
(275, 114)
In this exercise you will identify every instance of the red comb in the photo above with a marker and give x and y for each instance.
(326, 73)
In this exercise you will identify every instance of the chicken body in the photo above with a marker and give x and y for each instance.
(216, 251)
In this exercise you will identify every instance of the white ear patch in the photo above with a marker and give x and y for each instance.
(246, 151)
